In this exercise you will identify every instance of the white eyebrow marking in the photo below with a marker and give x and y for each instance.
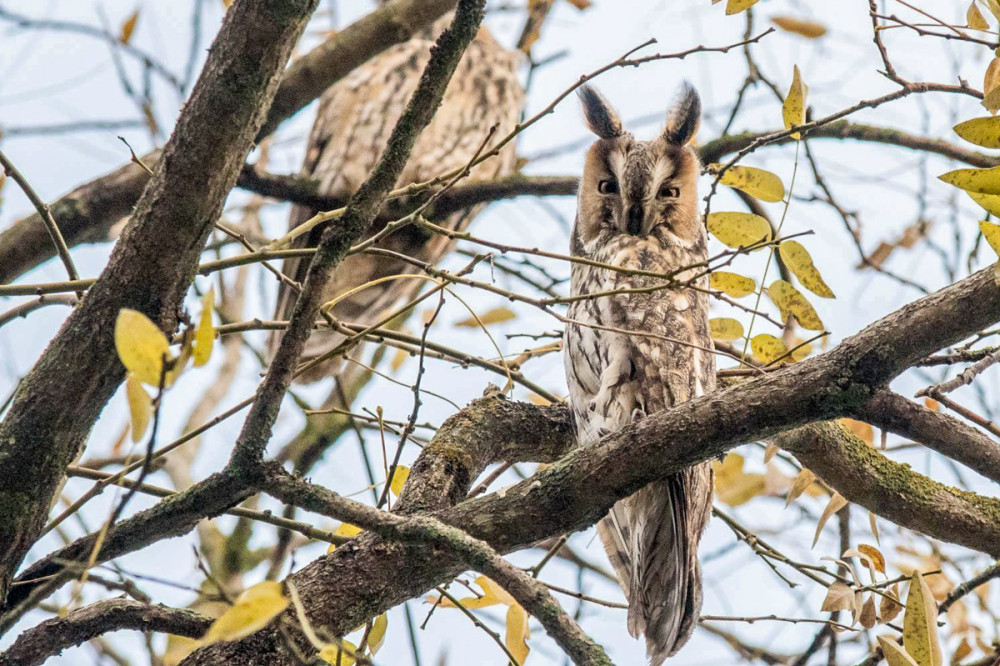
(662, 170)
(616, 160)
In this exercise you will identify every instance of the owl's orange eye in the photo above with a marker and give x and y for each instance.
(667, 192)
(608, 186)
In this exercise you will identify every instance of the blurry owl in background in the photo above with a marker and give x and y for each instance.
(637, 209)
(353, 123)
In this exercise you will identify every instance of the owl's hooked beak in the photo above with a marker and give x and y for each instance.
(635, 219)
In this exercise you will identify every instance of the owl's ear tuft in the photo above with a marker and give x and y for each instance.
(684, 118)
(601, 118)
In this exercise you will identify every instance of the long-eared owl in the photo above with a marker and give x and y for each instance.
(629, 354)
(352, 127)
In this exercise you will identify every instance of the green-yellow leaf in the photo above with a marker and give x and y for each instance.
(732, 284)
(141, 346)
(793, 110)
(725, 329)
(399, 478)
(989, 202)
(808, 29)
(204, 337)
(895, 655)
(983, 132)
(345, 530)
(974, 18)
(494, 316)
(799, 261)
(516, 638)
(128, 27)
(920, 631)
(376, 637)
(737, 6)
(140, 406)
(836, 503)
(758, 183)
(253, 610)
(991, 232)
(767, 348)
(333, 654)
(986, 181)
(791, 301)
(739, 229)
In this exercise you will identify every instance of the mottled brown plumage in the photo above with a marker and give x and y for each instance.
(637, 209)
(352, 127)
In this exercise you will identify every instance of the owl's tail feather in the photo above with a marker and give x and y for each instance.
(651, 539)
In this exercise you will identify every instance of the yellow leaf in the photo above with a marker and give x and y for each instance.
(541, 401)
(986, 181)
(791, 301)
(873, 524)
(494, 316)
(799, 351)
(991, 80)
(253, 610)
(920, 631)
(983, 132)
(399, 478)
(128, 27)
(836, 503)
(991, 232)
(758, 183)
(725, 329)
(227, 3)
(517, 633)
(802, 481)
(347, 530)
(140, 406)
(839, 596)
(739, 229)
(875, 555)
(332, 654)
(376, 637)
(141, 345)
(733, 486)
(793, 110)
(178, 648)
(799, 262)
(580, 4)
(204, 337)
(894, 654)
(767, 348)
(732, 284)
(737, 6)
(769, 451)
(493, 594)
(974, 18)
(808, 29)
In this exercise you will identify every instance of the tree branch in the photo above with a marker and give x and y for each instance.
(53, 636)
(940, 432)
